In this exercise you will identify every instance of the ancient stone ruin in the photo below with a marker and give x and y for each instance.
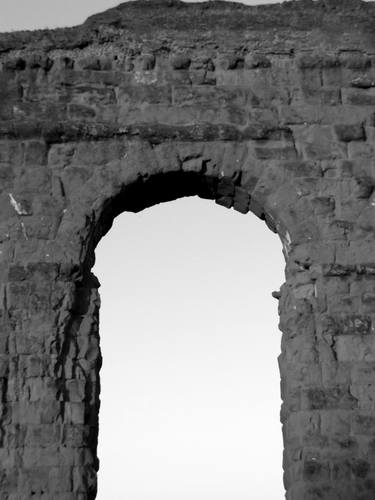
(267, 109)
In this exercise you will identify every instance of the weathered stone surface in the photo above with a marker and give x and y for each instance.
(268, 109)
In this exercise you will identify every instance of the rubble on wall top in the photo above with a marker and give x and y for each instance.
(146, 18)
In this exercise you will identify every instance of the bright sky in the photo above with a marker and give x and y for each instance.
(32, 14)
(190, 383)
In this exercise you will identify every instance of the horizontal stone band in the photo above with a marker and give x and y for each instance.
(54, 132)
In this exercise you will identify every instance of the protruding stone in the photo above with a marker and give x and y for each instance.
(128, 64)
(35, 61)
(90, 62)
(14, 64)
(257, 61)
(230, 61)
(180, 61)
(356, 61)
(313, 60)
(363, 82)
(347, 133)
(147, 62)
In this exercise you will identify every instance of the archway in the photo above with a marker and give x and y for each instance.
(189, 382)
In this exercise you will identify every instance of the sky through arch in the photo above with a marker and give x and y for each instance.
(190, 382)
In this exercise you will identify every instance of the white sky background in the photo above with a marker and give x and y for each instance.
(190, 382)
(33, 14)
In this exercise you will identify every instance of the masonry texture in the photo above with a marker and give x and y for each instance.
(267, 109)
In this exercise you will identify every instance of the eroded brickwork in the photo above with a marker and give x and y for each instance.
(267, 109)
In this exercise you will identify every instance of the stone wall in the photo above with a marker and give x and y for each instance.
(267, 109)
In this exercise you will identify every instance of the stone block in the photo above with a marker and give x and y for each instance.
(14, 64)
(74, 413)
(274, 151)
(358, 96)
(241, 200)
(35, 153)
(347, 133)
(300, 375)
(336, 374)
(76, 390)
(146, 62)
(341, 470)
(317, 141)
(254, 60)
(345, 325)
(363, 82)
(230, 62)
(81, 112)
(84, 479)
(352, 60)
(309, 61)
(360, 151)
(45, 457)
(202, 77)
(316, 470)
(34, 481)
(180, 61)
(364, 423)
(355, 348)
(42, 435)
(60, 480)
(336, 424)
(138, 94)
(90, 63)
(365, 394)
(330, 398)
(318, 96)
(39, 61)
(363, 372)
(76, 435)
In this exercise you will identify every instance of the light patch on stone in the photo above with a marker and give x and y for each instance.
(17, 206)
(141, 77)
(24, 231)
(286, 243)
(18, 111)
(304, 291)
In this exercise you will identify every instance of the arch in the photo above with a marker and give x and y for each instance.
(145, 175)
(99, 210)
(189, 332)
